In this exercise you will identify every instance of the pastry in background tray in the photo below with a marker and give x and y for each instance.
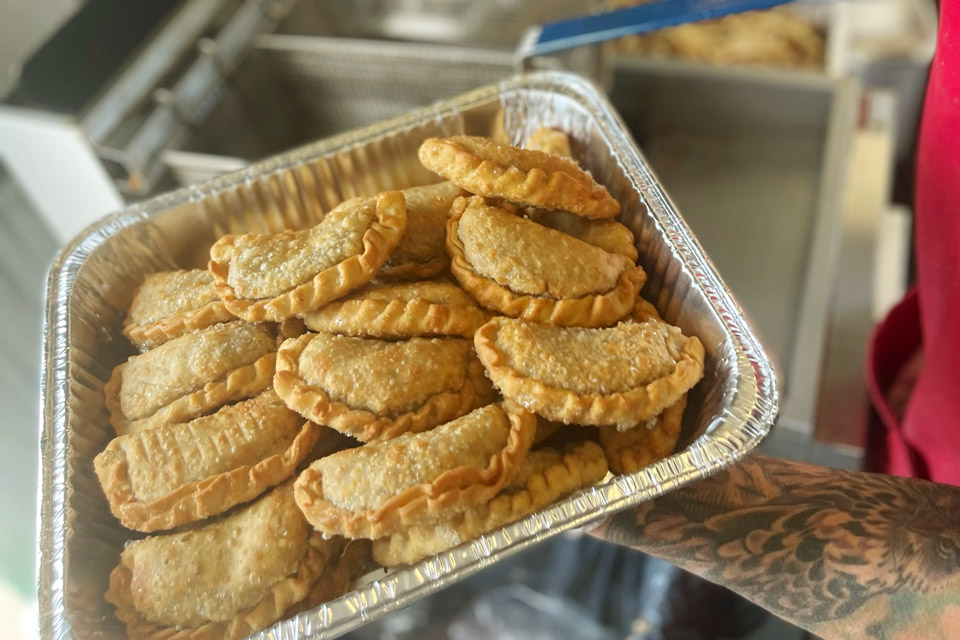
(191, 375)
(176, 474)
(522, 269)
(275, 277)
(546, 476)
(375, 389)
(773, 38)
(617, 376)
(422, 252)
(532, 178)
(171, 303)
(382, 488)
(405, 310)
(227, 579)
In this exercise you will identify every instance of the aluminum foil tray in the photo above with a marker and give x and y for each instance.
(92, 281)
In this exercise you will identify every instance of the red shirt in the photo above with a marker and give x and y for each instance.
(928, 442)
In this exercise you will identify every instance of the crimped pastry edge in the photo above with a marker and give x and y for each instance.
(486, 177)
(282, 597)
(627, 458)
(593, 409)
(454, 489)
(200, 499)
(314, 404)
(588, 311)
(243, 382)
(150, 336)
(582, 464)
(378, 241)
(396, 318)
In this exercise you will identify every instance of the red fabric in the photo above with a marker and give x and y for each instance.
(931, 424)
(894, 342)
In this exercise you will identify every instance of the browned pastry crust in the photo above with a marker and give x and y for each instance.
(243, 382)
(149, 477)
(534, 178)
(374, 490)
(422, 253)
(590, 310)
(318, 404)
(190, 376)
(633, 449)
(617, 376)
(346, 566)
(174, 564)
(171, 303)
(545, 476)
(377, 224)
(549, 140)
(401, 311)
(609, 235)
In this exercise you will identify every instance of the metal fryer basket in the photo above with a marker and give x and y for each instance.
(93, 279)
(306, 88)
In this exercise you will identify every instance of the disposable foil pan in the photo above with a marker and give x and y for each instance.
(93, 278)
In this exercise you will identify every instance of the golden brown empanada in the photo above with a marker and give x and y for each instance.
(609, 235)
(348, 564)
(545, 476)
(525, 270)
(549, 140)
(381, 488)
(401, 311)
(422, 252)
(275, 277)
(190, 376)
(176, 474)
(377, 389)
(617, 376)
(171, 303)
(224, 580)
(534, 178)
(649, 441)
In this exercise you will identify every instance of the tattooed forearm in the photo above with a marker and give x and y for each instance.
(846, 555)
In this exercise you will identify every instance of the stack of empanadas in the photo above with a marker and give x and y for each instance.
(420, 368)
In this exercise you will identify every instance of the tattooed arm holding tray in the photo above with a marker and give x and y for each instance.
(842, 554)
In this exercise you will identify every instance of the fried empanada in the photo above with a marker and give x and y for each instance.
(545, 476)
(375, 390)
(401, 311)
(422, 252)
(350, 563)
(633, 449)
(190, 376)
(609, 235)
(534, 178)
(549, 140)
(275, 277)
(171, 303)
(176, 474)
(525, 270)
(378, 489)
(616, 376)
(225, 580)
